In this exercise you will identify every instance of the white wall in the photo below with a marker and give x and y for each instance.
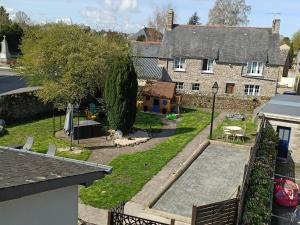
(57, 207)
(287, 81)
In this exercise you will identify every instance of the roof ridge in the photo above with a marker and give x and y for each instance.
(223, 26)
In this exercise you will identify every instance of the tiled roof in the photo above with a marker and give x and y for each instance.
(222, 43)
(23, 173)
(159, 89)
(150, 34)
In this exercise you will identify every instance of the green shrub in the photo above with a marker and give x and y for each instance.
(259, 193)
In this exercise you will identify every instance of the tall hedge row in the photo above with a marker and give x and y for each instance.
(259, 194)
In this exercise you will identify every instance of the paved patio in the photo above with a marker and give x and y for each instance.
(214, 176)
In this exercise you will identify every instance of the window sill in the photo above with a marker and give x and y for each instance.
(207, 72)
(195, 90)
(254, 74)
(179, 70)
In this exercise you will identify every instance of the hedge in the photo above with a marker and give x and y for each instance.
(260, 189)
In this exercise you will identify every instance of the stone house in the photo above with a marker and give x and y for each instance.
(283, 113)
(245, 61)
(40, 189)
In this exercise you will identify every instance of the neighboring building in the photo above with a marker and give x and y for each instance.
(145, 59)
(147, 34)
(283, 113)
(160, 97)
(39, 189)
(245, 61)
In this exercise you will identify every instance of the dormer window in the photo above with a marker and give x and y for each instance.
(179, 64)
(207, 65)
(255, 68)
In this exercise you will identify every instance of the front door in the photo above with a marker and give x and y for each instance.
(155, 107)
(284, 139)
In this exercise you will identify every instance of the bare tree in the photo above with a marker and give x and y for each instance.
(159, 18)
(21, 18)
(229, 12)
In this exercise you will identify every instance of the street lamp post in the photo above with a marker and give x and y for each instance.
(215, 89)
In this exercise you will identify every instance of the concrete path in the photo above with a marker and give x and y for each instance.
(159, 181)
(105, 155)
(213, 177)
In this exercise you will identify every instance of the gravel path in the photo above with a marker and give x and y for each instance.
(105, 155)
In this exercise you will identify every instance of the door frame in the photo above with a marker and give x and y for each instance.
(288, 141)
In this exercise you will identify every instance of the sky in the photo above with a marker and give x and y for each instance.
(131, 15)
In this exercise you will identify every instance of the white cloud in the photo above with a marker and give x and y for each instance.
(66, 20)
(113, 15)
(99, 15)
(128, 5)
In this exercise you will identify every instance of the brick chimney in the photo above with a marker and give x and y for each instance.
(276, 26)
(170, 19)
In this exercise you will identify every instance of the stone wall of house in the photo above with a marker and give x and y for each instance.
(223, 103)
(223, 73)
(21, 107)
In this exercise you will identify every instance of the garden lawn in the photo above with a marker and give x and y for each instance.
(42, 132)
(148, 121)
(248, 124)
(132, 171)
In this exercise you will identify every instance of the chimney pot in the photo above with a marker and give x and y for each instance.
(276, 26)
(170, 19)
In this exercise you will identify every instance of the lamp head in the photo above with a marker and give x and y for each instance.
(215, 88)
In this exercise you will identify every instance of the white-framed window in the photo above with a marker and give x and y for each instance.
(195, 86)
(179, 85)
(207, 65)
(251, 89)
(255, 68)
(179, 64)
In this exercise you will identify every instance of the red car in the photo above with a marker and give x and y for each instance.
(286, 192)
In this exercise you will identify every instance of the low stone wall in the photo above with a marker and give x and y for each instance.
(21, 107)
(230, 104)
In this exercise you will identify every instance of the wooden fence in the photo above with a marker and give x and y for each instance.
(220, 213)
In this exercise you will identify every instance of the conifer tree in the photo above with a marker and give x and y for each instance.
(121, 94)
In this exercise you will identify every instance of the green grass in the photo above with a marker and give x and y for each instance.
(42, 132)
(148, 121)
(132, 171)
(248, 124)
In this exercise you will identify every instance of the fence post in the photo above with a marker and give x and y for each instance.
(194, 215)
(109, 217)
(172, 222)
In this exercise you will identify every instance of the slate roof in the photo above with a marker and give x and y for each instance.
(146, 68)
(283, 105)
(159, 89)
(225, 44)
(24, 173)
(145, 59)
(145, 49)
